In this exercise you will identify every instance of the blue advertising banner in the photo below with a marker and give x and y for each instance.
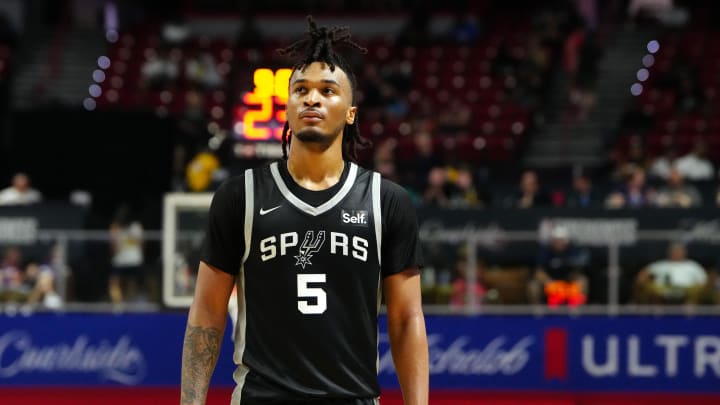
(587, 353)
(97, 349)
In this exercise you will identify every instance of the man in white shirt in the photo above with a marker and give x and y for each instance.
(694, 166)
(20, 192)
(676, 279)
(663, 164)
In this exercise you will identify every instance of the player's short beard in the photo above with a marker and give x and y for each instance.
(316, 137)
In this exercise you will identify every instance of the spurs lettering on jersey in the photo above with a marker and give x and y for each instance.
(340, 244)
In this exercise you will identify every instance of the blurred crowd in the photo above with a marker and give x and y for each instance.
(28, 280)
(465, 187)
(561, 275)
(429, 136)
(564, 274)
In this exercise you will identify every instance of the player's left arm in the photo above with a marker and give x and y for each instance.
(408, 339)
(401, 259)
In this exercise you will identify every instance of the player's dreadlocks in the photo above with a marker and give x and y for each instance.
(318, 46)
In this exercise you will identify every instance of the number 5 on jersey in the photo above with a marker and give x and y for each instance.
(311, 300)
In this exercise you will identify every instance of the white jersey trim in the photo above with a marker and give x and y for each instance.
(305, 207)
(377, 218)
(242, 370)
(377, 214)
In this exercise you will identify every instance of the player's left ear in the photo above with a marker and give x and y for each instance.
(350, 115)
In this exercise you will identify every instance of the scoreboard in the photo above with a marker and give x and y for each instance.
(261, 116)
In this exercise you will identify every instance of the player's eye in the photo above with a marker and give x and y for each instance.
(328, 90)
(300, 90)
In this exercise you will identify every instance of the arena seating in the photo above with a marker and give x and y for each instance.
(680, 97)
(447, 73)
(442, 73)
(123, 86)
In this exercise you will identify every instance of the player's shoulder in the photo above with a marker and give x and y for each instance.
(392, 190)
(231, 188)
(236, 182)
(395, 197)
(233, 182)
(389, 190)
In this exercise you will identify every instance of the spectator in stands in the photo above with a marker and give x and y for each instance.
(374, 88)
(694, 165)
(455, 117)
(385, 91)
(533, 74)
(506, 61)
(399, 75)
(436, 194)
(677, 194)
(713, 283)
(11, 276)
(649, 7)
(397, 82)
(20, 192)
(424, 159)
(465, 28)
(175, 33)
(626, 163)
(559, 261)
(204, 172)
(529, 193)
(582, 194)
(571, 50)
(202, 71)
(635, 193)
(465, 193)
(582, 94)
(663, 164)
(159, 70)
(676, 279)
(126, 238)
(192, 123)
(384, 159)
(39, 285)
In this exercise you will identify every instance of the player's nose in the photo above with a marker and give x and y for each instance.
(312, 98)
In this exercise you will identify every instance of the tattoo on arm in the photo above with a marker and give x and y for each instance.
(200, 353)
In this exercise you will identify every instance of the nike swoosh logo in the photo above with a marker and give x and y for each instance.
(263, 211)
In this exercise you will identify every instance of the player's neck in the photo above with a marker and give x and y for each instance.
(314, 170)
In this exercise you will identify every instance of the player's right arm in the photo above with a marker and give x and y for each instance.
(203, 336)
(222, 252)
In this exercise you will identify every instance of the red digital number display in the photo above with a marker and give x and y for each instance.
(262, 115)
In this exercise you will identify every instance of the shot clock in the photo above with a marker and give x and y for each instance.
(262, 115)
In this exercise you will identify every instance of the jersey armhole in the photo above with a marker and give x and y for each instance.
(249, 211)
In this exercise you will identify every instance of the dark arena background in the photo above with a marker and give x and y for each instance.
(563, 157)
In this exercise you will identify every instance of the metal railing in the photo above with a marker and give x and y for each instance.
(64, 240)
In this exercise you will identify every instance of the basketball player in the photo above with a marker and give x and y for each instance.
(309, 241)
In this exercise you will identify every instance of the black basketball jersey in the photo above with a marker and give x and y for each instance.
(308, 288)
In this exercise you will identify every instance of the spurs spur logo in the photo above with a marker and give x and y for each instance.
(311, 245)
